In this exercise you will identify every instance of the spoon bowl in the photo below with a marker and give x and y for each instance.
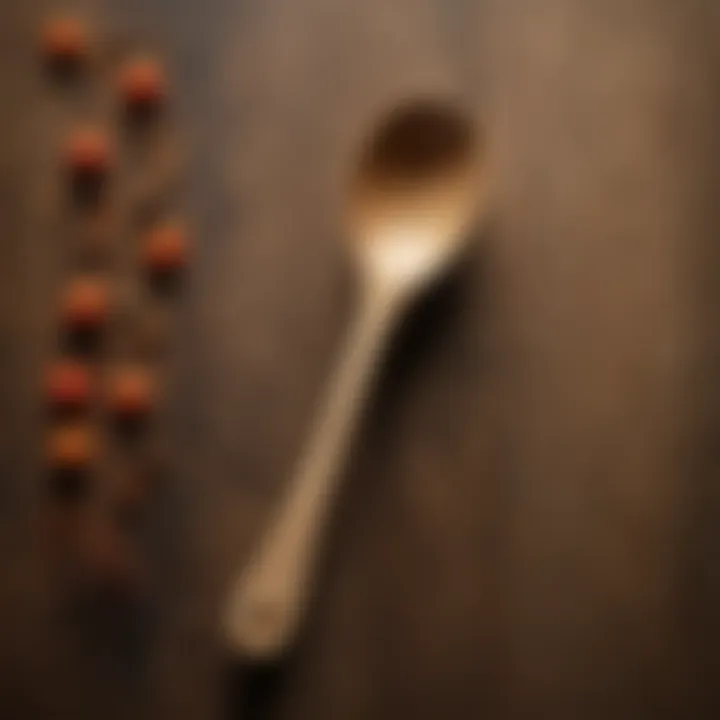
(415, 192)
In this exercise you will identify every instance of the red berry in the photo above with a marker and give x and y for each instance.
(68, 385)
(132, 393)
(142, 83)
(166, 248)
(89, 152)
(86, 305)
(64, 40)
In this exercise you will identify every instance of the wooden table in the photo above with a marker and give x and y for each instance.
(529, 525)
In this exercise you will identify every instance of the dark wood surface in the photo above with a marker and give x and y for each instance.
(529, 524)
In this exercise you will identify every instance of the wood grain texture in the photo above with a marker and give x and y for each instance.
(528, 529)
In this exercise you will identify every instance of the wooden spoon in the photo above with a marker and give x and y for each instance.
(417, 190)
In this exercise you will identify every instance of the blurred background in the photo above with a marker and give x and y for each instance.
(529, 523)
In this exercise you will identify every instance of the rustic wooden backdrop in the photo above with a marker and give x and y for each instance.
(529, 528)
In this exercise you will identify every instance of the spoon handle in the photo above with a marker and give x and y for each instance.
(267, 601)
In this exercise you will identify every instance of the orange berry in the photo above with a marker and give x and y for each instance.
(71, 447)
(89, 153)
(166, 248)
(132, 393)
(64, 40)
(142, 83)
(86, 304)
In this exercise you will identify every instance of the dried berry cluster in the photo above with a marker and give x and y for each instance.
(101, 399)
